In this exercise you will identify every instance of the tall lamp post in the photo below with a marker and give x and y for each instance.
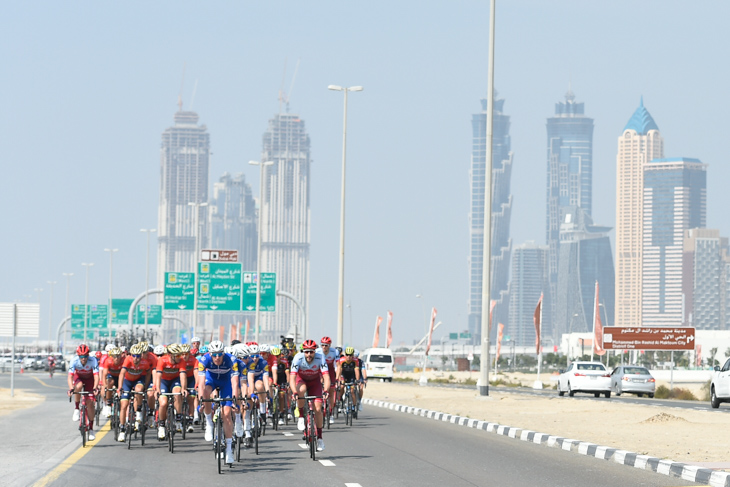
(109, 310)
(86, 299)
(352, 340)
(147, 275)
(261, 165)
(67, 275)
(423, 381)
(195, 262)
(50, 312)
(341, 289)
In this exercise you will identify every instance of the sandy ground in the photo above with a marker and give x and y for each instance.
(667, 433)
(21, 400)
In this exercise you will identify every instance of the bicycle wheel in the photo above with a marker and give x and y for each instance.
(256, 429)
(348, 409)
(129, 427)
(184, 417)
(239, 442)
(170, 427)
(219, 441)
(82, 422)
(312, 435)
(275, 412)
(98, 409)
(143, 423)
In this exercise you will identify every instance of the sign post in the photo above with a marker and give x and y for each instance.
(18, 320)
(219, 286)
(648, 338)
(268, 291)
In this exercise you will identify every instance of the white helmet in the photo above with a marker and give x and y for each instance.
(195, 339)
(123, 348)
(109, 347)
(264, 348)
(242, 351)
(357, 353)
(215, 346)
(159, 350)
(227, 349)
(253, 349)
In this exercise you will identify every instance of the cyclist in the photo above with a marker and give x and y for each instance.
(243, 357)
(135, 375)
(191, 364)
(363, 378)
(195, 343)
(348, 371)
(170, 377)
(151, 356)
(111, 366)
(280, 374)
(218, 370)
(51, 365)
(83, 374)
(307, 371)
(257, 379)
(331, 357)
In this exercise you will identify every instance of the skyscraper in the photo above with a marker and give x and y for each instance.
(184, 158)
(232, 217)
(501, 213)
(639, 143)
(529, 280)
(569, 177)
(704, 281)
(675, 200)
(285, 221)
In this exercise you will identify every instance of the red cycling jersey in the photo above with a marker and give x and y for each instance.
(107, 363)
(191, 365)
(168, 369)
(134, 372)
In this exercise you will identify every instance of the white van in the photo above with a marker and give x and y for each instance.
(378, 363)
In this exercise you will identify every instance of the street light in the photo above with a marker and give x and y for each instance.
(50, 311)
(341, 288)
(111, 272)
(423, 381)
(67, 275)
(195, 262)
(258, 251)
(86, 299)
(352, 340)
(147, 276)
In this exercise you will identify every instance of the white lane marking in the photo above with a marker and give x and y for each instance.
(304, 445)
(352, 485)
(288, 434)
(327, 463)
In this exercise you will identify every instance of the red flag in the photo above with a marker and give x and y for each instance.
(376, 336)
(492, 304)
(598, 328)
(248, 329)
(239, 332)
(537, 318)
(221, 333)
(698, 351)
(389, 337)
(430, 330)
(233, 332)
(500, 329)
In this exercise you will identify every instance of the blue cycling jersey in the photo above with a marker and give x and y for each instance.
(227, 369)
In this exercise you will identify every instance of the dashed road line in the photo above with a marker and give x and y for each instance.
(288, 434)
(327, 463)
(352, 485)
(304, 446)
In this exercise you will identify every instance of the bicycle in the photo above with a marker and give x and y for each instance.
(219, 442)
(255, 421)
(186, 418)
(348, 403)
(131, 420)
(170, 420)
(84, 423)
(98, 407)
(114, 418)
(310, 428)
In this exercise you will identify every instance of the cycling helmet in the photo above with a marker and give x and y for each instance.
(215, 346)
(242, 352)
(137, 349)
(227, 349)
(203, 349)
(174, 349)
(108, 347)
(253, 349)
(349, 351)
(97, 355)
(264, 348)
(159, 350)
(338, 350)
(357, 353)
(82, 349)
(326, 341)
(144, 344)
(115, 352)
(275, 351)
(123, 348)
(194, 351)
(151, 348)
(184, 348)
(309, 345)
(195, 339)
(235, 342)
(251, 343)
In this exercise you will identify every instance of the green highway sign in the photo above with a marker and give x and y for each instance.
(268, 291)
(219, 286)
(465, 335)
(179, 290)
(120, 311)
(97, 316)
(79, 335)
(453, 336)
(105, 333)
(154, 315)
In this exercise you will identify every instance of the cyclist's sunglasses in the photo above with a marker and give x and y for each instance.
(309, 351)
(137, 355)
(349, 354)
(217, 354)
(83, 356)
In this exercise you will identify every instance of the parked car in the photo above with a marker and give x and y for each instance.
(634, 379)
(720, 385)
(585, 377)
(378, 363)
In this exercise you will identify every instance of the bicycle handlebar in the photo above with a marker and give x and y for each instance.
(219, 399)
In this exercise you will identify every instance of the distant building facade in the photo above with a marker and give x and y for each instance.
(232, 219)
(705, 279)
(639, 143)
(529, 280)
(501, 214)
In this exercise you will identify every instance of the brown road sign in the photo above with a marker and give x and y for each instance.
(648, 338)
(208, 255)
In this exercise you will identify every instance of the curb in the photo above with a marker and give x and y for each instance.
(666, 467)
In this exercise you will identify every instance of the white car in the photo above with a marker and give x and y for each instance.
(720, 385)
(585, 377)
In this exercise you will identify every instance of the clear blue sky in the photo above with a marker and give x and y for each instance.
(88, 88)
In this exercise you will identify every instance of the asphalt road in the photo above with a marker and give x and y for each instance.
(383, 448)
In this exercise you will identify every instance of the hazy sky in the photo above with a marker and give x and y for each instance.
(89, 87)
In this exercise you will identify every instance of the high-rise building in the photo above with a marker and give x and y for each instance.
(184, 179)
(529, 280)
(639, 143)
(704, 279)
(585, 257)
(569, 177)
(285, 221)
(232, 217)
(501, 212)
(675, 200)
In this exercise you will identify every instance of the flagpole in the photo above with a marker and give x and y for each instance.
(593, 348)
(538, 383)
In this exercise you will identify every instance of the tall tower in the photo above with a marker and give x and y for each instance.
(529, 280)
(675, 200)
(184, 159)
(569, 178)
(639, 143)
(501, 212)
(232, 217)
(704, 279)
(285, 222)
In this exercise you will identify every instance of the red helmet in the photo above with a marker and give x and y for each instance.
(82, 349)
(309, 345)
(248, 344)
(326, 340)
(98, 355)
(194, 351)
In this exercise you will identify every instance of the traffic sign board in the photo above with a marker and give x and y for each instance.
(219, 256)
(453, 336)
(154, 315)
(104, 333)
(27, 319)
(219, 286)
(120, 311)
(648, 338)
(79, 335)
(97, 316)
(268, 291)
(179, 290)
(465, 335)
